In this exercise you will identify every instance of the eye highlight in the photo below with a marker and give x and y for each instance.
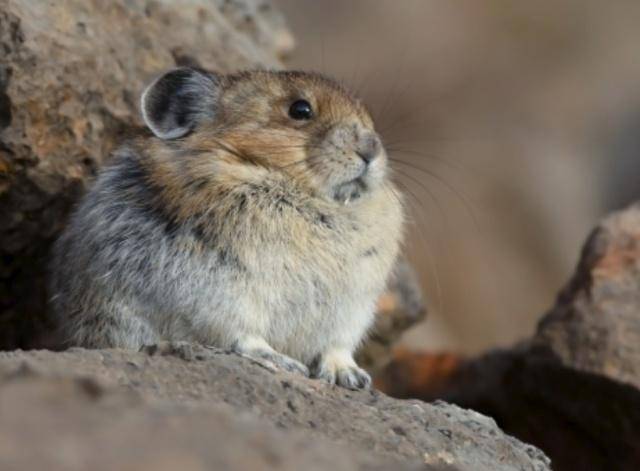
(301, 110)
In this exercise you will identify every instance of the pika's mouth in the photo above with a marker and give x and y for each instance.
(350, 191)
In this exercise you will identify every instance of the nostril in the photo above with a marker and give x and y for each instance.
(369, 149)
(367, 156)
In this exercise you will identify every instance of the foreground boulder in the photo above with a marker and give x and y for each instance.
(110, 430)
(574, 388)
(183, 399)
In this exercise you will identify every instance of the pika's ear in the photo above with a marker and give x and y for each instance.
(176, 102)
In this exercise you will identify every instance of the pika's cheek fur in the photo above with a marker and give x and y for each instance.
(205, 233)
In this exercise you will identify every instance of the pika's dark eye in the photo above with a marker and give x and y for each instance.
(300, 110)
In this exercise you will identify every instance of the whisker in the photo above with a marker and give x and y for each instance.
(463, 199)
(401, 151)
(431, 261)
(429, 193)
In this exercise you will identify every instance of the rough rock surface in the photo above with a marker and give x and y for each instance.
(574, 389)
(595, 325)
(179, 386)
(77, 424)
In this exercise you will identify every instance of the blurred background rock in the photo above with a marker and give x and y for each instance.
(514, 125)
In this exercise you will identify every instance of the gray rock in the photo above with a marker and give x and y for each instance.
(78, 424)
(184, 381)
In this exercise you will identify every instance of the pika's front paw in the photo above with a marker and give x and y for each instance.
(340, 368)
(351, 377)
(259, 351)
(281, 361)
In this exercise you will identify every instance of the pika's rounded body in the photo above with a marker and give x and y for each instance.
(223, 234)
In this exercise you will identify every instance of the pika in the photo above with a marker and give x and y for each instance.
(258, 216)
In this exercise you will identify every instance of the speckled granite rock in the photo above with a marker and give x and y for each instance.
(178, 385)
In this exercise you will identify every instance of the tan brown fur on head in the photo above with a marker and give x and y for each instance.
(236, 127)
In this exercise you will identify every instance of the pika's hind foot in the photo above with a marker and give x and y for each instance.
(338, 367)
(258, 350)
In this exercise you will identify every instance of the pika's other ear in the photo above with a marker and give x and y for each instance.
(176, 102)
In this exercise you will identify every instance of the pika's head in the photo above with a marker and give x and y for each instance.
(301, 124)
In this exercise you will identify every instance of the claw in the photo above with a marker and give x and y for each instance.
(354, 378)
(339, 368)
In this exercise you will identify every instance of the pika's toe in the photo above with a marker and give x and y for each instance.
(353, 378)
(326, 375)
(289, 364)
(278, 360)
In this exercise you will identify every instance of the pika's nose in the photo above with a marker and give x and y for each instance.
(368, 148)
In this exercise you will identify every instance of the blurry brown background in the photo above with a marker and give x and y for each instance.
(516, 124)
